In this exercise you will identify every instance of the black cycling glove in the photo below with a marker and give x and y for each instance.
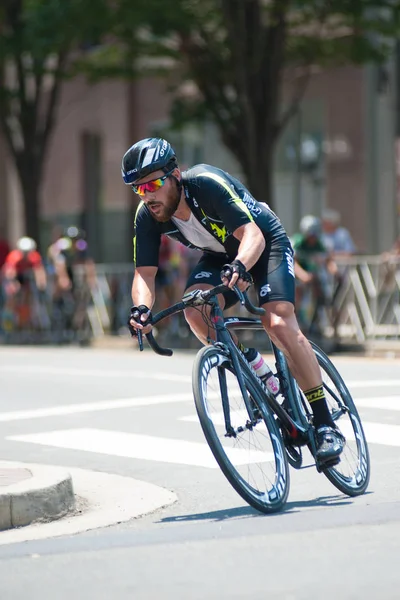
(136, 313)
(238, 267)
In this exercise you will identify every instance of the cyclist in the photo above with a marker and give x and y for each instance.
(315, 271)
(206, 208)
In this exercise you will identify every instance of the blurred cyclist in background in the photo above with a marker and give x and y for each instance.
(68, 252)
(74, 277)
(24, 280)
(314, 269)
(22, 263)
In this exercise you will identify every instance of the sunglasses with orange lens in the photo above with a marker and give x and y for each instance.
(150, 186)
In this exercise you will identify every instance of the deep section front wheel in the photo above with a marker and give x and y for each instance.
(249, 452)
(351, 475)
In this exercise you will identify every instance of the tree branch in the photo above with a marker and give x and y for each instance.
(38, 71)
(272, 65)
(48, 124)
(295, 101)
(5, 111)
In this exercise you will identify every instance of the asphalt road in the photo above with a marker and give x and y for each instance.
(131, 414)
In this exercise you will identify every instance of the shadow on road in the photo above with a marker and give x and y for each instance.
(248, 511)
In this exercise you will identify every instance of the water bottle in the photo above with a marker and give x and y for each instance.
(265, 374)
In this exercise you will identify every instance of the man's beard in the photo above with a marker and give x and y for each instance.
(168, 209)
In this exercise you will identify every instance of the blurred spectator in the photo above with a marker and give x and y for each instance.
(314, 269)
(394, 251)
(390, 267)
(336, 239)
(4, 250)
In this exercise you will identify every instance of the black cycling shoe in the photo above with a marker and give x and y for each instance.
(330, 445)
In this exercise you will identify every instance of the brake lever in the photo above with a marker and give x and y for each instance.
(140, 339)
(139, 332)
(239, 294)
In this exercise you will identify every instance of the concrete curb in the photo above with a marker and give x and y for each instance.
(102, 500)
(46, 495)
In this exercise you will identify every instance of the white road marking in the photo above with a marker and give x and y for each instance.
(70, 409)
(380, 402)
(365, 383)
(119, 443)
(40, 371)
(375, 433)
(68, 371)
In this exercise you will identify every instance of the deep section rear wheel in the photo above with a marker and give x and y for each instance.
(351, 475)
(251, 455)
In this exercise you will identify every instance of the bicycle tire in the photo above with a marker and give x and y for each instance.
(356, 480)
(208, 360)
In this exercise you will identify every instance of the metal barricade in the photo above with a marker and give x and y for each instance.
(366, 304)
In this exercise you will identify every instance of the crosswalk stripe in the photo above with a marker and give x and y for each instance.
(161, 376)
(380, 402)
(119, 443)
(375, 433)
(373, 383)
(70, 409)
(108, 374)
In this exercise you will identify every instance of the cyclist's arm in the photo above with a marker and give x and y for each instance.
(301, 274)
(252, 244)
(143, 286)
(40, 277)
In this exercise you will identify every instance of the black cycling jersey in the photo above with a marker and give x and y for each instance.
(220, 202)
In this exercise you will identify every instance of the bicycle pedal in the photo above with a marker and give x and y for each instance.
(327, 464)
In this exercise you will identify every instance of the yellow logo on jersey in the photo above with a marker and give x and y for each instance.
(221, 233)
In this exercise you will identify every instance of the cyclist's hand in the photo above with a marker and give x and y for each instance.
(236, 274)
(140, 318)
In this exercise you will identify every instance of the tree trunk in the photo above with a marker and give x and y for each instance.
(260, 183)
(259, 173)
(30, 185)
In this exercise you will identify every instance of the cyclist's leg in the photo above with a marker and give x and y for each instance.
(274, 278)
(204, 276)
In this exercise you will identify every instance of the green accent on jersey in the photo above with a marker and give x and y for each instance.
(220, 231)
(235, 198)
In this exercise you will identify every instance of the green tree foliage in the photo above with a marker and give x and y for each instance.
(238, 53)
(40, 43)
(241, 54)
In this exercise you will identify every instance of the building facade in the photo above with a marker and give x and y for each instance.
(338, 151)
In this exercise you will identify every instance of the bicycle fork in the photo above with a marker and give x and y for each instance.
(230, 430)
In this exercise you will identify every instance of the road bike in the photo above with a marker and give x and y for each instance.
(253, 434)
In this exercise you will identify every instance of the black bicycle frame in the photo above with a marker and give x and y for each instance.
(223, 336)
(296, 427)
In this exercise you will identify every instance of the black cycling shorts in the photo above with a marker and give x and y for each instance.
(273, 274)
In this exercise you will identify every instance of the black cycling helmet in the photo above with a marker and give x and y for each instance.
(146, 156)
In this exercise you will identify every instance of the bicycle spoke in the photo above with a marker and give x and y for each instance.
(352, 473)
(248, 457)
